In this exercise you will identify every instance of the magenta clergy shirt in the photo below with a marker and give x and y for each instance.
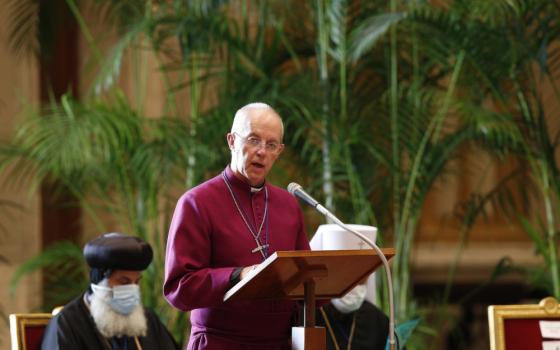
(207, 241)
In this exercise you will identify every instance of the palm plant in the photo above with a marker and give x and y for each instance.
(362, 155)
(528, 62)
(502, 43)
(342, 31)
(439, 57)
(116, 162)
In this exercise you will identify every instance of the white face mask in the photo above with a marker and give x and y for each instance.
(123, 299)
(352, 300)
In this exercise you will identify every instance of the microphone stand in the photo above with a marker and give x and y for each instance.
(329, 215)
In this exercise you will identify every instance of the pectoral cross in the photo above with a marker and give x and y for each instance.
(261, 249)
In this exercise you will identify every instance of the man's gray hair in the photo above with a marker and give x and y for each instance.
(242, 113)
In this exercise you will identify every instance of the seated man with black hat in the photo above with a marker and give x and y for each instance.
(109, 315)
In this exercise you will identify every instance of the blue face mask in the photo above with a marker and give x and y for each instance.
(123, 299)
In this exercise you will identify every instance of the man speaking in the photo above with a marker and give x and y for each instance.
(223, 227)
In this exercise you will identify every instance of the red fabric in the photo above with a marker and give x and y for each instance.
(33, 336)
(522, 334)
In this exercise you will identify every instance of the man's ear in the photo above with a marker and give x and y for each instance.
(230, 140)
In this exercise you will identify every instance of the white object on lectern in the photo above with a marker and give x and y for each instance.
(334, 237)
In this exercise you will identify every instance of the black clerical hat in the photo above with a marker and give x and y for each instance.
(116, 251)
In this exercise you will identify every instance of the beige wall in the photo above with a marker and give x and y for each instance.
(20, 228)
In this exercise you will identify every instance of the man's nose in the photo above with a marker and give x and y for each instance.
(261, 150)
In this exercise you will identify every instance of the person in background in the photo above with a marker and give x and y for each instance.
(109, 315)
(225, 226)
(352, 321)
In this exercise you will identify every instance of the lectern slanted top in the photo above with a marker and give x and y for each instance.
(283, 274)
(307, 275)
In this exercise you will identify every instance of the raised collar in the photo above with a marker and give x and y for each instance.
(239, 184)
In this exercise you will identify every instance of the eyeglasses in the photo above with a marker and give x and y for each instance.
(256, 143)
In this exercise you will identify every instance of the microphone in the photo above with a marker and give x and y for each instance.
(297, 191)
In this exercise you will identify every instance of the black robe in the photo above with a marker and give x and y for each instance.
(372, 327)
(73, 328)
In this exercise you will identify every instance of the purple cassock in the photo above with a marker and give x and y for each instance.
(208, 239)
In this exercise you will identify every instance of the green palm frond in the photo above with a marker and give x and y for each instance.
(71, 142)
(368, 32)
(110, 69)
(24, 26)
(122, 14)
(65, 273)
(79, 144)
(496, 132)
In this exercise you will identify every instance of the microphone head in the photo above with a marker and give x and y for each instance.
(293, 187)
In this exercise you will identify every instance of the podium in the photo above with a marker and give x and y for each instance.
(307, 276)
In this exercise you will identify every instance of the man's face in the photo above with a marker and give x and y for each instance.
(251, 162)
(118, 312)
(122, 277)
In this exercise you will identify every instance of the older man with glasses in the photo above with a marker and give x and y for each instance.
(225, 226)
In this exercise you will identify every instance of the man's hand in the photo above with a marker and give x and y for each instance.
(246, 271)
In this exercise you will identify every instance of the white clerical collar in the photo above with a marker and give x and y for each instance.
(256, 189)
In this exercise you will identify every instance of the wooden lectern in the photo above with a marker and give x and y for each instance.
(307, 276)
